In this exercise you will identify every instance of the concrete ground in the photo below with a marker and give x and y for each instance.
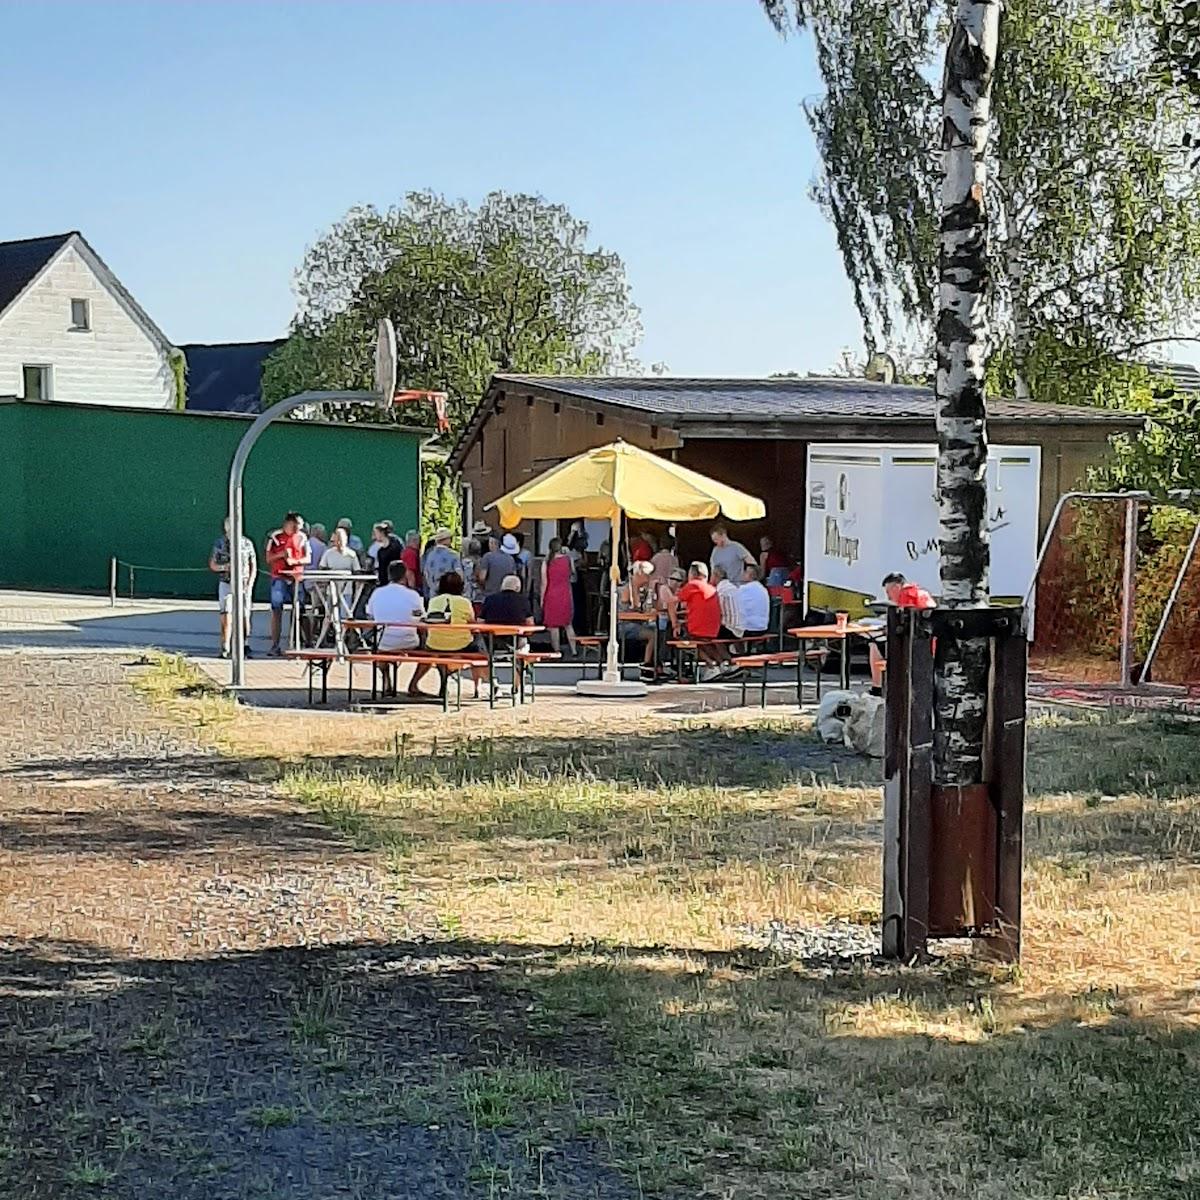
(60, 621)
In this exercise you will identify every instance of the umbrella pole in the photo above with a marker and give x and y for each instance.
(612, 672)
(612, 685)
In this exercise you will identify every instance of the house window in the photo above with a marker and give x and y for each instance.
(81, 315)
(37, 382)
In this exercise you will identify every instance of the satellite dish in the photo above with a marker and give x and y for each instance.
(881, 368)
(385, 363)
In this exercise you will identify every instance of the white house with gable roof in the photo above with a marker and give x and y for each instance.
(71, 333)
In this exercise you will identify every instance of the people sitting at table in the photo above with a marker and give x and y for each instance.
(702, 609)
(638, 595)
(727, 597)
(498, 563)
(508, 606)
(558, 601)
(453, 609)
(286, 555)
(398, 609)
(773, 564)
(754, 604)
(728, 554)
(441, 559)
(667, 621)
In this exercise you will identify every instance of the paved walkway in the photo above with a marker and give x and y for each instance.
(49, 620)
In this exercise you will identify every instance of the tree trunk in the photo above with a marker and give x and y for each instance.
(1022, 326)
(961, 669)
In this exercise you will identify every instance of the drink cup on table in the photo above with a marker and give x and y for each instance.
(842, 619)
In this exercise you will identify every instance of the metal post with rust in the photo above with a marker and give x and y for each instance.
(952, 857)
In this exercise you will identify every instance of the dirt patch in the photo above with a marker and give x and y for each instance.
(205, 992)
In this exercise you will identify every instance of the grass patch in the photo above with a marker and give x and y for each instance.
(171, 681)
(273, 1116)
(89, 1174)
(504, 1094)
(628, 864)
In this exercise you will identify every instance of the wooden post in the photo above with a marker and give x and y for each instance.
(1128, 583)
(934, 843)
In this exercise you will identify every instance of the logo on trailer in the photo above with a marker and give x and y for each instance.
(837, 545)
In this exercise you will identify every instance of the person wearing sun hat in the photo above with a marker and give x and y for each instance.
(439, 561)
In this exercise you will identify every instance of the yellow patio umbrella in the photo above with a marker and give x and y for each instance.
(602, 483)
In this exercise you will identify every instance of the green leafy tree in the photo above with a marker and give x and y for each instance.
(1094, 238)
(512, 285)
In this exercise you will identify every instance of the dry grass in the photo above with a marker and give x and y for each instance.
(634, 853)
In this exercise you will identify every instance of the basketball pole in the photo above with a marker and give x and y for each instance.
(236, 516)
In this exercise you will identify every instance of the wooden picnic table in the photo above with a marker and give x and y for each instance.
(488, 630)
(835, 633)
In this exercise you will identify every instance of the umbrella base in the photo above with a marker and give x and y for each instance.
(611, 688)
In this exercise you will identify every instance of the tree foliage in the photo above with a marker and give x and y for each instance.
(1095, 225)
(512, 285)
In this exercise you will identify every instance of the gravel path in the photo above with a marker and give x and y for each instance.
(204, 993)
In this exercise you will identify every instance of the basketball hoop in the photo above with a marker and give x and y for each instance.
(385, 363)
(385, 379)
(437, 399)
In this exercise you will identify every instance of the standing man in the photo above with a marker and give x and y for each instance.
(386, 549)
(732, 557)
(498, 563)
(220, 562)
(318, 543)
(352, 539)
(410, 556)
(441, 560)
(287, 554)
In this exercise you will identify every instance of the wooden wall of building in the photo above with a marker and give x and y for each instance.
(530, 435)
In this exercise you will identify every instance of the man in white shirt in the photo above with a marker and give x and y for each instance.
(396, 607)
(754, 603)
(727, 596)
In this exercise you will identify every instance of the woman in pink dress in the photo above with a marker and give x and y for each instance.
(558, 609)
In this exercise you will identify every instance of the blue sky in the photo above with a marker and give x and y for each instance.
(201, 147)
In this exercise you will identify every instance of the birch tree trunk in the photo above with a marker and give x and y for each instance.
(961, 669)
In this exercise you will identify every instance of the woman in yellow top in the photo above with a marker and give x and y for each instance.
(458, 611)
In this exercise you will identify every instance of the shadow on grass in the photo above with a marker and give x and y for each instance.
(451, 1069)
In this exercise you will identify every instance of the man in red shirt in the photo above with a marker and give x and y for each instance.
(287, 554)
(902, 594)
(703, 606)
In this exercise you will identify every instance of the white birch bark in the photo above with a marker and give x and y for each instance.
(961, 671)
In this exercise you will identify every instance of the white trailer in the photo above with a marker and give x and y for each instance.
(872, 509)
